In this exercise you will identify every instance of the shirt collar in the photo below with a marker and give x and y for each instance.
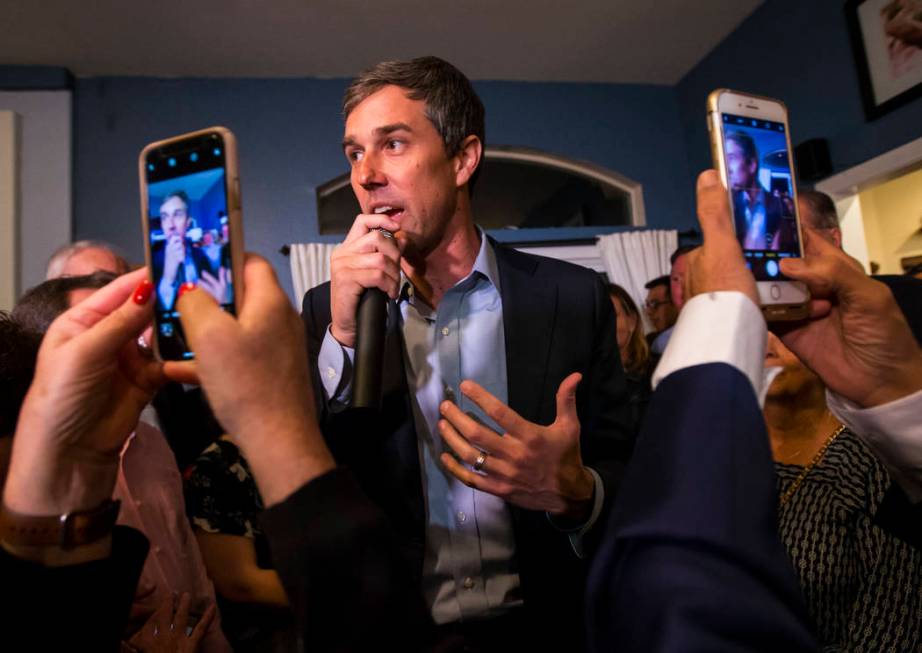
(485, 264)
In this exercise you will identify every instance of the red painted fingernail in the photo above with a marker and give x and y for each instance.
(143, 292)
(186, 287)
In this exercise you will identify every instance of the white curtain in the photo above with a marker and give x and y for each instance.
(310, 266)
(632, 258)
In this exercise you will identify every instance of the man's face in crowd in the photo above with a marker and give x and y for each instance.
(741, 170)
(677, 282)
(174, 218)
(808, 219)
(399, 165)
(660, 309)
(90, 260)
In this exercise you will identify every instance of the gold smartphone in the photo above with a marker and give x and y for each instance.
(751, 148)
(192, 224)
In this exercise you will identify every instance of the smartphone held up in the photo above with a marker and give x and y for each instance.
(190, 212)
(751, 148)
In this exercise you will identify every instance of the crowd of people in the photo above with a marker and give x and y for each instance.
(542, 474)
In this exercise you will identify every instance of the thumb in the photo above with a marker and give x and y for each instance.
(713, 207)
(566, 399)
(200, 315)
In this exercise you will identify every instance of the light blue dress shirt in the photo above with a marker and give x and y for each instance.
(469, 565)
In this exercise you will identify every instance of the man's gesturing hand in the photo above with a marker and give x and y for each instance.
(534, 467)
(366, 259)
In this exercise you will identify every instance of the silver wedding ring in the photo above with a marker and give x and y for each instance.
(481, 459)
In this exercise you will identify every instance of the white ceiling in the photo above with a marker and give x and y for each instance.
(636, 41)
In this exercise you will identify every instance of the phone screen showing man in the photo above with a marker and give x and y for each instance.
(188, 232)
(761, 187)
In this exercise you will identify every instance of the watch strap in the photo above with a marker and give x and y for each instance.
(67, 531)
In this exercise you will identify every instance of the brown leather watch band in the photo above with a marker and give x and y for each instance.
(67, 530)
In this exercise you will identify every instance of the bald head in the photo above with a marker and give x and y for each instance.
(85, 257)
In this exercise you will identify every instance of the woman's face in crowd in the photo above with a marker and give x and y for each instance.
(626, 323)
(794, 378)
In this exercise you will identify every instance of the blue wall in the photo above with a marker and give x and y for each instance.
(289, 133)
(798, 51)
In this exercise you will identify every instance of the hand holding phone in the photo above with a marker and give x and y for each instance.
(190, 210)
(751, 147)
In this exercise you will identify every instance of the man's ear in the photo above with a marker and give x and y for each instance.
(467, 159)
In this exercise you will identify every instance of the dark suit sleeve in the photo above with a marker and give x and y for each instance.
(607, 439)
(343, 572)
(73, 608)
(692, 560)
(315, 314)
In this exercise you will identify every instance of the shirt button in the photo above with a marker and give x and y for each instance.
(445, 331)
(330, 372)
(468, 583)
(462, 517)
(449, 393)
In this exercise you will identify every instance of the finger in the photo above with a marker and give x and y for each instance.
(566, 400)
(482, 436)
(181, 616)
(825, 275)
(141, 368)
(201, 317)
(102, 324)
(181, 372)
(376, 241)
(264, 296)
(713, 207)
(101, 303)
(507, 419)
(202, 627)
(364, 222)
(494, 465)
(474, 480)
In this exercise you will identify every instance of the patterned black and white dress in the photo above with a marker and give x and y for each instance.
(863, 586)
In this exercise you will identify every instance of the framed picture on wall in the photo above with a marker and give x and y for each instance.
(9, 205)
(887, 41)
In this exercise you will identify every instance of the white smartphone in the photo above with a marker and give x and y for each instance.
(751, 147)
(193, 231)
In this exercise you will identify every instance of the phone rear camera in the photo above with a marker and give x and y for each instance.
(172, 162)
(193, 157)
(150, 166)
(217, 151)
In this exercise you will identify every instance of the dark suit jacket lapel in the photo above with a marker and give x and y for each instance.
(529, 313)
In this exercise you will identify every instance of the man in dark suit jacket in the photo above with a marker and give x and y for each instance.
(527, 323)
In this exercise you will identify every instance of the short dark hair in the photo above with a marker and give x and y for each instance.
(821, 207)
(18, 353)
(41, 305)
(181, 194)
(746, 143)
(682, 250)
(452, 105)
(658, 281)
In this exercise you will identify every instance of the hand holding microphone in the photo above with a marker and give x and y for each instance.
(364, 271)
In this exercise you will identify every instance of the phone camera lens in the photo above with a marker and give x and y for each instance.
(193, 157)
(172, 162)
(217, 151)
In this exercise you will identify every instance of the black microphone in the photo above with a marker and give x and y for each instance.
(370, 325)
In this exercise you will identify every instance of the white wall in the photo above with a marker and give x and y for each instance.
(45, 219)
